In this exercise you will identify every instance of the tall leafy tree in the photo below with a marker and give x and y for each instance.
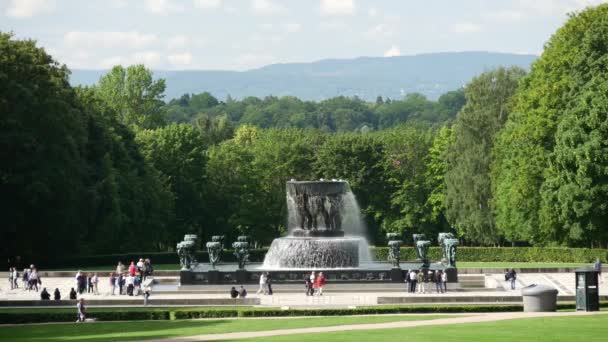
(134, 95)
(468, 188)
(547, 173)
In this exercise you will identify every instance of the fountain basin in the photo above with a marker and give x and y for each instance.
(313, 253)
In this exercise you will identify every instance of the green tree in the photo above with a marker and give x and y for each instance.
(437, 167)
(547, 172)
(468, 196)
(177, 151)
(134, 95)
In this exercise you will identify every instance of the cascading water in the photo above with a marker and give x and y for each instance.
(326, 230)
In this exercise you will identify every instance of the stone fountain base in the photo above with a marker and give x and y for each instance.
(296, 252)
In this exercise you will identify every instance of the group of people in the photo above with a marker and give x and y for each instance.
(315, 283)
(87, 282)
(265, 284)
(241, 293)
(30, 278)
(421, 281)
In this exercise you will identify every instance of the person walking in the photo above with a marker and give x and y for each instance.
(269, 283)
(10, 278)
(320, 283)
(262, 288)
(438, 280)
(112, 281)
(33, 279)
(26, 279)
(80, 309)
(121, 283)
(16, 277)
(512, 278)
(95, 281)
(147, 290)
(413, 280)
(420, 281)
(307, 284)
(313, 278)
(444, 280)
(57, 294)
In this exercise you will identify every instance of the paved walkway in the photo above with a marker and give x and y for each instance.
(489, 317)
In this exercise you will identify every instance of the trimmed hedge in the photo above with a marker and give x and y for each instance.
(506, 254)
(474, 254)
(178, 314)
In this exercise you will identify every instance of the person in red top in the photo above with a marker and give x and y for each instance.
(132, 269)
(319, 283)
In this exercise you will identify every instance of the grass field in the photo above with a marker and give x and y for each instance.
(463, 264)
(124, 331)
(567, 329)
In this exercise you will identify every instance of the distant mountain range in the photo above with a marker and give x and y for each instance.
(366, 77)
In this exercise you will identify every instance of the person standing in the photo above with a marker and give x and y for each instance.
(57, 294)
(120, 268)
(16, 277)
(320, 283)
(89, 283)
(34, 279)
(444, 280)
(80, 311)
(438, 280)
(112, 283)
(130, 284)
(313, 278)
(512, 278)
(26, 279)
(269, 283)
(10, 278)
(262, 288)
(95, 281)
(420, 281)
(121, 283)
(132, 269)
(413, 280)
(308, 284)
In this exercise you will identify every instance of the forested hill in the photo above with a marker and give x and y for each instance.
(366, 77)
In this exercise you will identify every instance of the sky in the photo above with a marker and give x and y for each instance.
(246, 34)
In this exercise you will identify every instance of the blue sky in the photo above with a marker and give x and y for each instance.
(244, 34)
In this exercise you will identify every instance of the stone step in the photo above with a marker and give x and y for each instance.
(137, 300)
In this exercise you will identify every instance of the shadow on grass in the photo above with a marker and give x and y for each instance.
(110, 331)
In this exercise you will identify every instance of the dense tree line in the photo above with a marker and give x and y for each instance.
(113, 167)
(338, 114)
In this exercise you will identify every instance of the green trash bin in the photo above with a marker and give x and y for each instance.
(587, 289)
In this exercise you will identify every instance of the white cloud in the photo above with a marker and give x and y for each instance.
(337, 7)
(554, 7)
(29, 8)
(163, 6)
(373, 12)
(150, 59)
(266, 7)
(504, 16)
(466, 27)
(178, 41)
(293, 27)
(379, 31)
(253, 60)
(180, 59)
(207, 4)
(393, 51)
(96, 40)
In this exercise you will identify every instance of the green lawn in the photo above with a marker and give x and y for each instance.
(567, 329)
(124, 331)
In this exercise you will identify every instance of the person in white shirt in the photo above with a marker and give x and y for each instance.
(262, 288)
(95, 281)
